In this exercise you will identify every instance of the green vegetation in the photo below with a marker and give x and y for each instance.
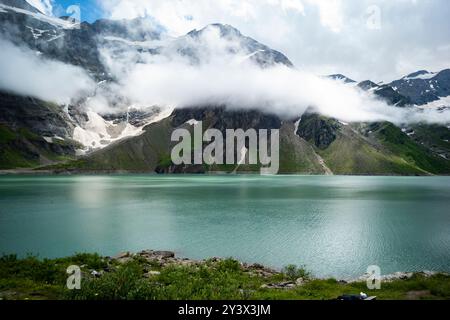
(21, 148)
(400, 144)
(13, 153)
(33, 278)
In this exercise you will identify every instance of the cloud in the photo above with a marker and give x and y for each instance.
(321, 36)
(45, 6)
(226, 75)
(24, 72)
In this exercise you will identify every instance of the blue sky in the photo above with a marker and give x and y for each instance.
(90, 10)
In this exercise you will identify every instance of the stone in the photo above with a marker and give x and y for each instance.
(152, 274)
(122, 255)
(164, 254)
(300, 281)
(96, 274)
(256, 266)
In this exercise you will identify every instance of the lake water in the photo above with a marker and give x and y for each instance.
(335, 226)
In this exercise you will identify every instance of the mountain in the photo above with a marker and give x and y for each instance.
(340, 77)
(35, 133)
(386, 92)
(423, 87)
(81, 44)
(312, 145)
(20, 4)
(261, 54)
(383, 91)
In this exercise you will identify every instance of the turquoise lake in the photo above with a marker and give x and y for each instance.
(335, 226)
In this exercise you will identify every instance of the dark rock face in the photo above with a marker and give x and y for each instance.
(392, 97)
(423, 87)
(41, 118)
(24, 122)
(134, 117)
(319, 130)
(221, 118)
(386, 93)
(340, 77)
(77, 46)
(367, 85)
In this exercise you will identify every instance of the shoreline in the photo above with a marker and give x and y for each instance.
(161, 275)
(170, 257)
(36, 172)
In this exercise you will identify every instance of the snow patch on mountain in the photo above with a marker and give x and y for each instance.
(98, 133)
(44, 6)
(425, 75)
(438, 104)
(56, 22)
(142, 44)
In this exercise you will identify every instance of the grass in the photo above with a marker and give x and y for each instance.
(22, 148)
(400, 144)
(40, 279)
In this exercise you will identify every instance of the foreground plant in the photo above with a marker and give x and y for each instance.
(149, 276)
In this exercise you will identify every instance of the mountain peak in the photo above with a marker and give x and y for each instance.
(367, 85)
(421, 75)
(340, 77)
(417, 73)
(226, 30)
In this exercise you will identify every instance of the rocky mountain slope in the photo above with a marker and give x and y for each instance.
(36, 133)
(314, 145)
(423, 87)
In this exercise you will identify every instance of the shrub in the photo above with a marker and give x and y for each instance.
(292, 272)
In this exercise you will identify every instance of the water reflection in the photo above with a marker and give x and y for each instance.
(333, 225)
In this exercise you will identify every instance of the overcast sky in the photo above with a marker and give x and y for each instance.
(364, 39)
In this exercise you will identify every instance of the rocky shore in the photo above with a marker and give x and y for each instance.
(161, 275)
(167, 258)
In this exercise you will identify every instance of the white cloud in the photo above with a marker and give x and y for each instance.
(331, 15)
(320, 36)
(45, 6)
(234, 80)
(24, 72)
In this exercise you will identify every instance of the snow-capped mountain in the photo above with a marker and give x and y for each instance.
(77, 44)
(423, 87)
(21, 4)
(138, 136)
(81, 44)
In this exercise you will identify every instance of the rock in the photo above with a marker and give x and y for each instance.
(121, 255)
(256, 266)
(216, 259)
(152, 274)
(300, 282)
(397, 276)
(281, 285)
(318, 129)
(96, 274)
(428, 274)
(164, 254)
